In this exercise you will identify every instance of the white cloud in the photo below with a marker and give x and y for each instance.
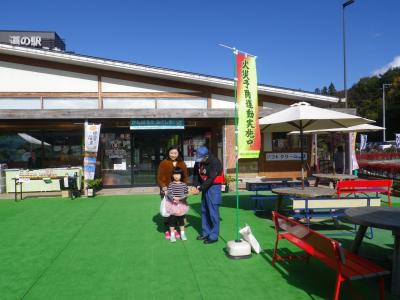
(393, 64)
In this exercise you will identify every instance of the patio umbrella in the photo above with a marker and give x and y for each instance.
(357, 128)
(302, 116)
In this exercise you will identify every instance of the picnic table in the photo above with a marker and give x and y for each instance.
(267, 184)
(380, 217)
(333, 178)
(298, 192)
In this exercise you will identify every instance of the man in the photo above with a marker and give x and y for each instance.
(210, 178)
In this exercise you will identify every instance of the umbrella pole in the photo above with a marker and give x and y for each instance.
(302, 159)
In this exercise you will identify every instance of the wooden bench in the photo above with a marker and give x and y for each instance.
(348, 266)
(349, 187)
(329, 207)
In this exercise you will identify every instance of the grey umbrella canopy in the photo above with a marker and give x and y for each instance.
(302, 116)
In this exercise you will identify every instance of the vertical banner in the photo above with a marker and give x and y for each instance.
(397, 140)
(354, 163)
(249, 139)
(89, 167)
(92, 137)
(363, 142)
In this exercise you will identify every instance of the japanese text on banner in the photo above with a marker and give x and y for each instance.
(249, 139)
(92, 136)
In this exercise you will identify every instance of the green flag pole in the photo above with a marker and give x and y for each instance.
(237, 249)
(236, 144)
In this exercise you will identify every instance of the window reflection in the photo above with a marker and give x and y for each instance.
(36, 149)
(284, 142)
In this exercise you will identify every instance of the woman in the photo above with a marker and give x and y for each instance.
(164, 175)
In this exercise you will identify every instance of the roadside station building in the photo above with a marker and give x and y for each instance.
(49, 94)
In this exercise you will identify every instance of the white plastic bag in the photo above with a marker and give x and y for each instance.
(163, 208)
(248, 236)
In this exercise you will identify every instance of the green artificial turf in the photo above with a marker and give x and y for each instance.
(113, 247)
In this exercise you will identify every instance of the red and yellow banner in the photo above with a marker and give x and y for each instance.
(249, 139)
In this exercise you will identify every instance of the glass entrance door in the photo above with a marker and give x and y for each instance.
(149, 149)
(116, 159)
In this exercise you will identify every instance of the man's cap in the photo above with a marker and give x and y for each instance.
(201, 153)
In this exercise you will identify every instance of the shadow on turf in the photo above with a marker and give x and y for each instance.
(192, 221)
(316, 279)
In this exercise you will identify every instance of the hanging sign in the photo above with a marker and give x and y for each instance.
(354, 163)
(363, 141)
(146, 124)
(249, 139)
(92, 136)
(285, 156)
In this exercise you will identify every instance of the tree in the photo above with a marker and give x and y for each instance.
(366, 97)
(324, 90)
(317, 91)
(332, 90)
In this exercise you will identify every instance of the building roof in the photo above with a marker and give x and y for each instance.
(157, 72)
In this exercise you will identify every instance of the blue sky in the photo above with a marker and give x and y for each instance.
(298, 43)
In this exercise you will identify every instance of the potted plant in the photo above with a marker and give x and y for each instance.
(396, 189)
(92, 185)
(227, 180)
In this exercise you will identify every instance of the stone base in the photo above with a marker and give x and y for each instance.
(66, 193)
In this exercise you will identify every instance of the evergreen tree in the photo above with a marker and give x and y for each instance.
(332, 90)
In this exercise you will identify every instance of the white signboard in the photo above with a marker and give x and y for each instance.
(398, 140)
(285, 156)
(121, 166)
(92, 136)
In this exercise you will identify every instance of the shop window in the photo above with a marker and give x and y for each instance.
(129, 103)
(20, 103)
(65, 149)
(282, 142)
(70, 103)
(179, 103)
(21, 150)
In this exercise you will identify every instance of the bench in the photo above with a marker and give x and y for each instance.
(329, 207)
(72, 184)
(348, 266)
(349, 187)
(271, 183)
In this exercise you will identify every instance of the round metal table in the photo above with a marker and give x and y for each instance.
(379, 217)
(298, 192)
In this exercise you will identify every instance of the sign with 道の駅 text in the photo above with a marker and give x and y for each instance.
(34, 41)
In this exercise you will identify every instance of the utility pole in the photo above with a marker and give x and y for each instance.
(384, 110)
(347, 3)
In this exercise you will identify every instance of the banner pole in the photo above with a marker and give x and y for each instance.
(236, 145)
(237, 249)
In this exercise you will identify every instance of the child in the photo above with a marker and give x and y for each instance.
(176, 204)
